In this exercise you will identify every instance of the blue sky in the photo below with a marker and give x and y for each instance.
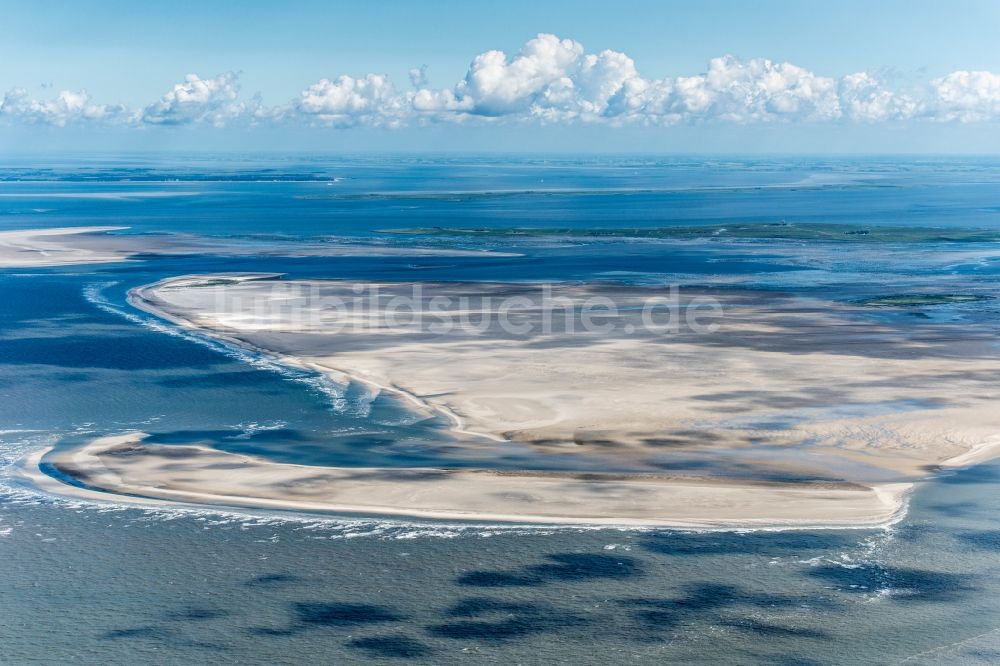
(860, 76)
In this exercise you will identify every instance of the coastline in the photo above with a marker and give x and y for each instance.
(122, 469)
(142, 298)
(43, 248)
(66, 246)
(503, 389)
(641, 500)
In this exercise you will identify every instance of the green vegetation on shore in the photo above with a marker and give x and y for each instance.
(777, 230)
(914, 300)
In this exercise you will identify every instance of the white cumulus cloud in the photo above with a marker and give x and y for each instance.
(347, 101)
(418, 77)
(68, 107)
(496, 85)
(966, 97)
(864, 98)
(551, 80)
(197, 100)
(731, 90)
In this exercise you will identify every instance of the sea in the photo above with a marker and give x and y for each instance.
(109, 583)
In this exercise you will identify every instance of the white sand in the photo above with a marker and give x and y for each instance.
(89, 245)
(806, 389)
(55, 247)
(199, 475)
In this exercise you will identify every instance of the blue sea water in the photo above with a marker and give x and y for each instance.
(99, 584)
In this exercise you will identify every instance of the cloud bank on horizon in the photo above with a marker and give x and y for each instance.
(550, 80)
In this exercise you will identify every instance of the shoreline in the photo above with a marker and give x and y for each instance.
(46, 248)
(141, 298)
(121, 469)
(85, 245)
(675, 502)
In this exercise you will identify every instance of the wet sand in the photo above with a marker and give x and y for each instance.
(57, 247)
(813, 414)
(63, 246)
(140, 472)
(832, 393)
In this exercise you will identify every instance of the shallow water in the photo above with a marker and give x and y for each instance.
(122, 586)
(103, 585)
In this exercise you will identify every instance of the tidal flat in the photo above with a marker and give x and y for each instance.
(824, 395)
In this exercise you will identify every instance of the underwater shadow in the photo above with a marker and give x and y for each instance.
(393, 646)
(907, 585)
(495, 621)
(562, 567)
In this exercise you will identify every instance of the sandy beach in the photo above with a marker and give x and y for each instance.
(195, 474)
(65, 246)
(795, 412)
(59, 246)
(853, 399)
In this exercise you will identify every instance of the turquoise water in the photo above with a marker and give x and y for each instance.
(106, 585)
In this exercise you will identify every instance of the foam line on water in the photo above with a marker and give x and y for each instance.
(320, 383)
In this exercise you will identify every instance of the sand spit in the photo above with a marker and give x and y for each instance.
(58, 247)
(195, 474)
(37, 248)
(791, 412)
(820, 389)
